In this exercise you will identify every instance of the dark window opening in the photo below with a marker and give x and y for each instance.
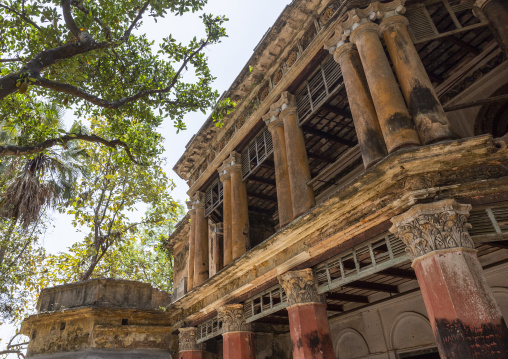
(125, 321)
(62, 326)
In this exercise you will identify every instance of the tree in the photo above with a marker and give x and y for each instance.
(111, 188)
(88, 55)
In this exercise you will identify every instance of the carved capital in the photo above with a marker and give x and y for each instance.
(300, 287)
(363, 28)
(434, 226)
(198, 200)
(233, 318)
(362, 14)
(393, 21)
(343, 50)
(286, 100)
(187, 340)
(232, 163)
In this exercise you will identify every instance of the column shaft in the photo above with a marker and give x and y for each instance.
(368, 131)
(462, 310)
(424, 106)
(463, 313)
(196, 354)
(192, 249)
(302, 195)
(396, 123)
(201, 259)
(284, 203)
(238, 345)
(226, 205)
(239, 213)
(217, 250)
(496, 12)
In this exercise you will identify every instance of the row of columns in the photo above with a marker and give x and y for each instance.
(383, 121)
(386, 118)
(465, 318)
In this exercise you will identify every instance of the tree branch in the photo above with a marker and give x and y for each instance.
(72, 90)
(11, 150)
(11, 60)
(69, 20)
(20, 15)
(135, 21)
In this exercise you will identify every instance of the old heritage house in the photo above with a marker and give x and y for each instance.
(355, 204)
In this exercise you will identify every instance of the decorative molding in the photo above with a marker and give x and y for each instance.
(233, 318)
(187, 340)
(300, 287)
(433, 226)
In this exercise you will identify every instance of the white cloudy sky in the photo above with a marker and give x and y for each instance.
(248, 22)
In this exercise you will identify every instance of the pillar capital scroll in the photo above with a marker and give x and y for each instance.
(187, 340)
(392, 20)
(300, 287)
(197, 200)
(233, 318)
(433, 226)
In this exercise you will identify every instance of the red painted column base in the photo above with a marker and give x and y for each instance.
(310, 331)
(238, 345)
(464, 315)
(192, 354)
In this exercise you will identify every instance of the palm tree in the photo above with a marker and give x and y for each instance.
(30, 184)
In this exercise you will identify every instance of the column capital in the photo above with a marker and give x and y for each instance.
(343, 50)
(187, 340)
(429, 227)
(233, 318)
(392, 20)
(189, 206)
(300, 287)
(362, 28)
(230, 164)
(197, 200)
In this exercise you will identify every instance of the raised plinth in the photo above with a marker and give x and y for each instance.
(101, 318)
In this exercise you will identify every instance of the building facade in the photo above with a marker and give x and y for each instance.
(355, 204)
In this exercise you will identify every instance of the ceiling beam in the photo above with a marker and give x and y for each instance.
(260, 180)
(401, 273)
(262, 197)
(328, 136)
(337, 110)
(320, 157)
(273, 320)
(334, 308)
(465, 45)
(347, 297)
(378, 287)
(498, 244)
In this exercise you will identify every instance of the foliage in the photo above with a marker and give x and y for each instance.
(112, 188)
(90, 57)
(21, 260)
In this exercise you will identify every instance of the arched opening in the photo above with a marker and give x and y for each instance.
(493, 117)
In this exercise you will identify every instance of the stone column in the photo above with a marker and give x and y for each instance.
(188, 348)
(396, 123)
(192, 247)
(302, 195)
(239, 208)
(424, 106)
(225, 178)
(217, 249)
(496, 12)
(276, 127)
(238, 339)
(368, 131)
(201, 259)
(464, 315)
(308, 321)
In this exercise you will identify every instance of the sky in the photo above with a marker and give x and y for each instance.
(248, 22)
